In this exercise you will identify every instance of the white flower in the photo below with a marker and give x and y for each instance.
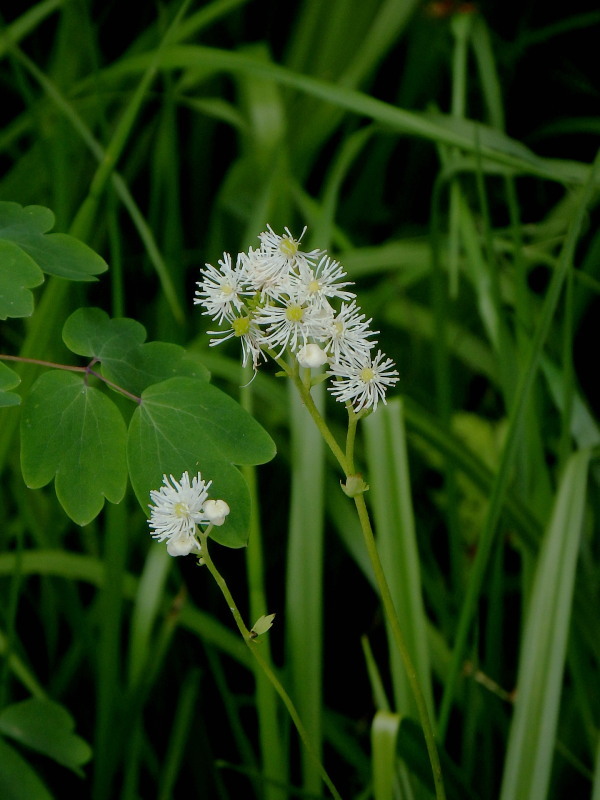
(216, 511)
(283, 252)
(247, 331)
(323, 281)
(221, 289)
(177, 510)
(264, 275)
(311, 355)
(361, 380)
(289, 324)
(349, 333)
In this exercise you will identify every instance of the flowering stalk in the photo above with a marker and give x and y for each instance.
(355, 488)
(179, 510)
(251, 640)
(277, 300)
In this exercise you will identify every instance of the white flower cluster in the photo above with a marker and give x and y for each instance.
(179, 506)
(278, 298)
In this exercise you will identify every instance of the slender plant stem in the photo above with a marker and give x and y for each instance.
(70, 368)
(390, 612)
(319, 421)
(253, 646)
(351, 436)
(346, 462)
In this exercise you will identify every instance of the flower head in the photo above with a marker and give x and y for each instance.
(290, 323)
(362, 380)
(247, 331)
(221, 290)
(348, 333)
(178, 508)
(279, 298)
(283, 253)
(323, 281)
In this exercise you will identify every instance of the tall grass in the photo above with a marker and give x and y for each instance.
(402, 135)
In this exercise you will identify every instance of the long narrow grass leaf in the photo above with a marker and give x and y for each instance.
(304, 576)
(390, 494)
(384, 731)
(522, 394)
(533, 731)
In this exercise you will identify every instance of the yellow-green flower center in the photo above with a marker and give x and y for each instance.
(288, 246)
(294, 313)
(181, 510)
(240, 326)
(367, 374)
(227, 288)
(314, 286)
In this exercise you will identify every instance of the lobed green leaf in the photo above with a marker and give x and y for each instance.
(18, 274)
(54, 253)
(73, 433)
(91, 332)
(47, 727)
(119, 344)
(187, 424)
(8, 380)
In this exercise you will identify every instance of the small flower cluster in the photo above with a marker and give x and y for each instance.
(179, 506)
(278, 298)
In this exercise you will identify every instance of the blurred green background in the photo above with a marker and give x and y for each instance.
(443, 151)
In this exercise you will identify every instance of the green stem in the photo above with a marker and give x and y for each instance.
(312, 409)
(346, 462)
(70, 368)
(253, 646)
(351, 437)
(390, 612)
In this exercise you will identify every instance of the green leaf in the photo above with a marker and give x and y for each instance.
(533, 734)
(46, 727)
(18, 781)
(18, 274)
(397, 542)
(384, 732)
(8, 380)
(187, 424)
(91, 332)
(411, 748)
(75, 434)
(119, 345)
(54, 253)
(150, 363)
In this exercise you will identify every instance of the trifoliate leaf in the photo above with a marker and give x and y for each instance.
(18, 274)
(75, 434)
(126, 360)
(8, 380)
(187, 424)
(54, 253)
(46, 727)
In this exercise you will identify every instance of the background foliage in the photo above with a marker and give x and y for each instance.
(445, 152)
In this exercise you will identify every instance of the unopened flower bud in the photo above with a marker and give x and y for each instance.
(311, 355)
(215, 511)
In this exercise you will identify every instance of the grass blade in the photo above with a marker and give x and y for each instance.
(532, 737)
(396, 540)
